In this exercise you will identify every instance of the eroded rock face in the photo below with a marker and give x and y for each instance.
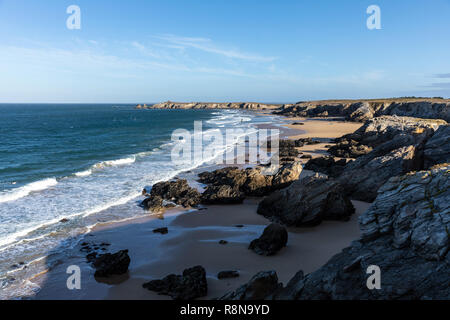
(261, 286)
(191, 285)
(306, 202)
(273, 239)
(363, 177)
(154, 204)
(326, 165)
(437, 148)
(223, 194)
(384, 134)
(177, 191)
(405, 233)
(109, 264)
(250, 181)
(365, 110)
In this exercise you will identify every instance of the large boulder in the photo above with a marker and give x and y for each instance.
(404, 233)
(191, 285)
(251, 181)
(273, 239)
(260, 287)
(154, 204)
(326, 165)
(437, 148)
(109, 264)
(256, 184)
(177, 191)
(223, 194)
(306, 202)
(362, 177)
(286, 174)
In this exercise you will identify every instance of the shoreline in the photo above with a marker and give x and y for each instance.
(199, 231)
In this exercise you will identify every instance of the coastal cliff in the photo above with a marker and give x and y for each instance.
(210, 105)
(351, 110)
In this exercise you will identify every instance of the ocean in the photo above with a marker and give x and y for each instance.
(65, 168)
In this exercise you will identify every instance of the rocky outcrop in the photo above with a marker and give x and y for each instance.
(223, 194)
(326, 165)
(273, 239)
(261, 286)
(405, 233)
(307, 202)
(210, 105)
(249, 182)
(364, 110)
(437, 148)
(191, 285)
(391, 132)
(177, 191)
(111, 264)
(397, 148)
(154, 204)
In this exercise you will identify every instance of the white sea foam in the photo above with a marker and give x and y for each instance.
(113, 163)
(21, 192)
(84, 173)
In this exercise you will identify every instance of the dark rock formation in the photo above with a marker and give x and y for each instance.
(233, 181)
(154, 204)
(307, 202)
(261, 286)
(326, 165)
(273, 239)
(111, 264)
(191, 285)
(227, 274)
(365, 110)
(398, 145)
(177, 191)
(223, 194)
(437, 148)
(405, 233)
(163, 230)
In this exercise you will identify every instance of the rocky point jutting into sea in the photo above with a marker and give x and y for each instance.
(399, 160)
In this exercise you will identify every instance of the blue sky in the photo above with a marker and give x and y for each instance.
(234, 50)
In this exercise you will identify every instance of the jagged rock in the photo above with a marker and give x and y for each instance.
(177, 191)
(231, 176)
(437, 148)
(362, 177)
(250, 181)
(364, 110)
(256, 183)
(349, 149)
(261, 286)
(286, 174)
(191, 285)
(307, 201)
(223, 194)
(273, 239)
(111, 264)
(287, 148)
(404, 233)
(154, 204)
(326, 165)
(305, 141)
(227, 274)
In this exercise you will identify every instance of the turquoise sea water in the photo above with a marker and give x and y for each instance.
(84, 164)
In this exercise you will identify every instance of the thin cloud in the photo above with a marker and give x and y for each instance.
(207, 45)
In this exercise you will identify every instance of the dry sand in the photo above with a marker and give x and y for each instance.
(193, 239)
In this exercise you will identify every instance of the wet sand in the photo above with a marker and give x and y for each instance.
(193, 239)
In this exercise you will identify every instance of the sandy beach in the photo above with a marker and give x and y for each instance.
(193, 239)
